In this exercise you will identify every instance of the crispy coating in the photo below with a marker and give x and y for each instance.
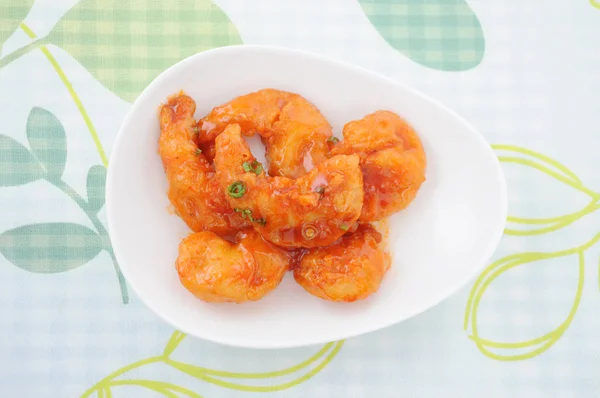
(392, 161)
(216, 270)
(193, 189)
(313, 210)
(349, 270)
(293, 130)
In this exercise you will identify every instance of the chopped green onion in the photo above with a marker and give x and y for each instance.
(247, 213)
(333, 139)
(198, 151)
(344, 227)
(253, 167)
(237, 189)
(244, 212)
(195, 130)
(260, 221)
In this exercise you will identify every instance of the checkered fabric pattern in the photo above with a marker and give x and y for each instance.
(125, 44)
(444, 34)
(524, 73)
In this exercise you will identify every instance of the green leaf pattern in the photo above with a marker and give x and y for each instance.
(13, 13)
(95, 183)
(439, 34)
(19, 166)
(47, 140)
(50, 248)
(56, 247)
(127, 44)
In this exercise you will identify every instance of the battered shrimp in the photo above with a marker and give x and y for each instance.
(392, 161)
(193, 188)
(313, 210)
(293, 130)
(216, 270)
(348, 270)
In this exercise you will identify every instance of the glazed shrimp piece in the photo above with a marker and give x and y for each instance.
(293, 130)
(392, 161)
(348, 270)
(313, 210)
(193, 189)
(216, 270)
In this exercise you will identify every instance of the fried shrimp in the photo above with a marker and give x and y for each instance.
(313, 210)
(348, 270)
(392, 161)
(193, 188)
(216, 270)
(294, 131)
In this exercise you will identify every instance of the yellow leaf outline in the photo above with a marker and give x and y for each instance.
(556, 170)
(501, 266)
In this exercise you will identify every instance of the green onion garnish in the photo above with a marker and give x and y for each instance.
(236, 190)
(247, 213)
(253, 167)
(260, 221)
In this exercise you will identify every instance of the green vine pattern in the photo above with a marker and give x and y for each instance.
(518, 226)
(57, 247)
(299, 373)
(53, 247)
(63, 78)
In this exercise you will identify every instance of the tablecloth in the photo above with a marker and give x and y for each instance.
(526, 74)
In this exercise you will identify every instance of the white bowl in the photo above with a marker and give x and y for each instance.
(438, 244)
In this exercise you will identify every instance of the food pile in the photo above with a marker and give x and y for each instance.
(310, 209)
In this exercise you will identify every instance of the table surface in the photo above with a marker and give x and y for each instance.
(525, 73)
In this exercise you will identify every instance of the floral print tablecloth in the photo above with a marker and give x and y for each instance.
(525, 73)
